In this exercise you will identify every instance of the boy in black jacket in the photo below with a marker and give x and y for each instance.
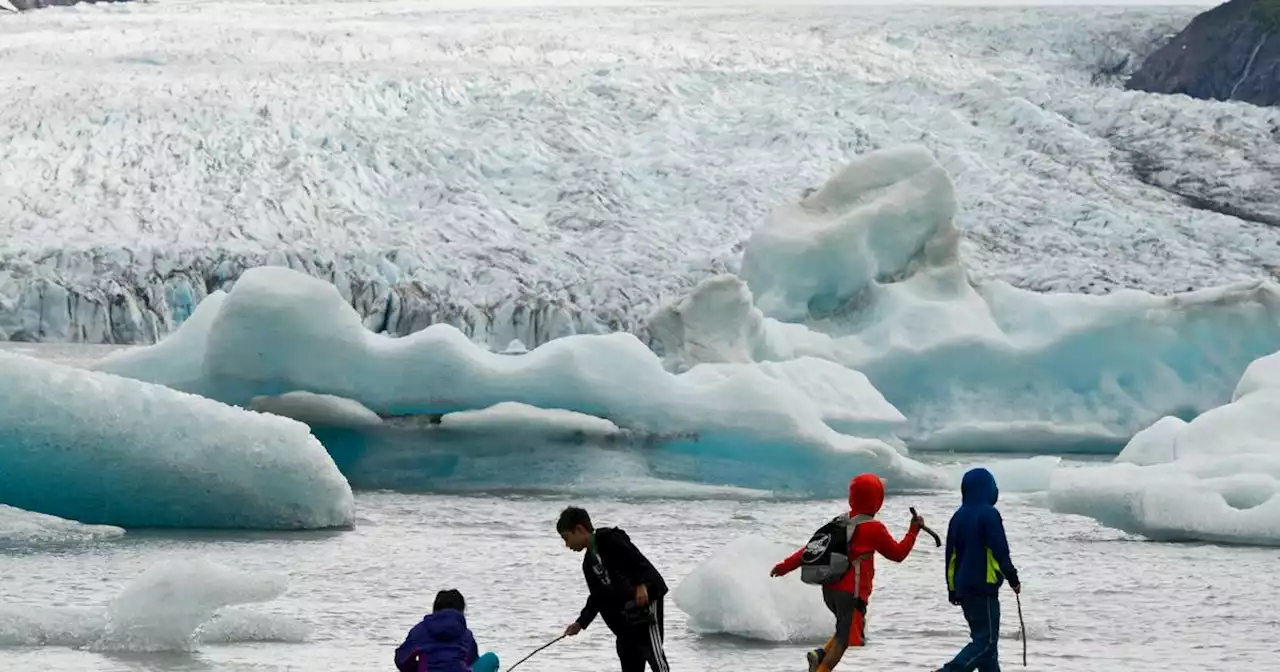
(624, 589)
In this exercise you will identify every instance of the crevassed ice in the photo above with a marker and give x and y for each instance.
(279, 331)
(99, 448)
(866, 272)
(1216, 478)
(413, 163)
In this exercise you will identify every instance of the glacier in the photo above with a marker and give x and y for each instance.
(145, 167)
(102, 449)
(280, 332)
(867, 272)
(1215, 478)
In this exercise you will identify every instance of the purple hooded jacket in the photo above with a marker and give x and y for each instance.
(440, 643)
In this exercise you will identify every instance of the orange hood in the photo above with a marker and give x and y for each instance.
(866, 494)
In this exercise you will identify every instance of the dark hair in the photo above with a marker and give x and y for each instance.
(449, 599)
(572, 517)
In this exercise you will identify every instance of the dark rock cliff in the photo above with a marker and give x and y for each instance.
(1231, 52)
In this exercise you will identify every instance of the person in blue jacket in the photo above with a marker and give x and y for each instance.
(977, 563)
(442, 642)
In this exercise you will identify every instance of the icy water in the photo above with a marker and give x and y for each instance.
(1094, 599)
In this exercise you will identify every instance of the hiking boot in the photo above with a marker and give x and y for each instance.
(815, 658)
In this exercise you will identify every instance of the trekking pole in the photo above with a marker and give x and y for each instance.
(1023, 625)
(937, 541)
(535, 652)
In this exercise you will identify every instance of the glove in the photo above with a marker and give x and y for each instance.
(951, 597)
(777, 570)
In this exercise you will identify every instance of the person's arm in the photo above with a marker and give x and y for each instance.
(999, 546)
(473, 650)
(589, 612)
(878, 538)
(406, 656)
(632, 564)
(790, 564)
(949, 560)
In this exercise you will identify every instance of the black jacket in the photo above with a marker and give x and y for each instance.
(625, 567)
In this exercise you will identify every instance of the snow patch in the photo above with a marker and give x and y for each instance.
(103, 449)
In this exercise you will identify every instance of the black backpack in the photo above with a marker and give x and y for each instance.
(826, 556)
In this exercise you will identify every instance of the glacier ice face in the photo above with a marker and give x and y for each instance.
(972, 365)
(23, 528)
(144, 171)
(1216, 478)
(732, 593)
(280, 331)
(98, 448)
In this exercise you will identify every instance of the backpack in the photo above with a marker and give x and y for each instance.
(826, 556)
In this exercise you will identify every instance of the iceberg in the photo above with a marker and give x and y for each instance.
(732, 593)
(279, 332)
(1215, 478)
(98, 448)
(174, 605)
(866, 272)
(24, 528)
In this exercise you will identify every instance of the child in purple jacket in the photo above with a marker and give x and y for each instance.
(442, 642)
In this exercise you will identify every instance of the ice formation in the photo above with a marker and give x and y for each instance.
(316, 410)
(732, 593)
(24, 528)
(866, 272)
(1216, 478)
(98, 448)
(122, 208)
(174, 605)
(280, 331)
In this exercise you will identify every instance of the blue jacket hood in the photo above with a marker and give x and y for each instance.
(446, 625)
(979, 487)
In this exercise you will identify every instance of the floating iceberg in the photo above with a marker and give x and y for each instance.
(23, 528)
(732, 593)
(866, 272)
(172, 606)
(278, 331)
(99, 448)
(1216, 478)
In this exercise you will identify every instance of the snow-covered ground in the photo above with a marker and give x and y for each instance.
(529, 172)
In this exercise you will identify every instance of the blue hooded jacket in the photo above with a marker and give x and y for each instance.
(442, 641)
(977, 552)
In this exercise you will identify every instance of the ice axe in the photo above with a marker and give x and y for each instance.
(937, 541)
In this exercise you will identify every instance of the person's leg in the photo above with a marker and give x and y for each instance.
(814, 656)
(983, 615)
(850, 619)
(991, 661)
(650, 640)
(486, 663)
(630, 655)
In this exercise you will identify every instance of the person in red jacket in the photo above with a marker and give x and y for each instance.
(847, 596)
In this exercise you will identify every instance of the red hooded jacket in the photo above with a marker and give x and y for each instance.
(866, 495)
